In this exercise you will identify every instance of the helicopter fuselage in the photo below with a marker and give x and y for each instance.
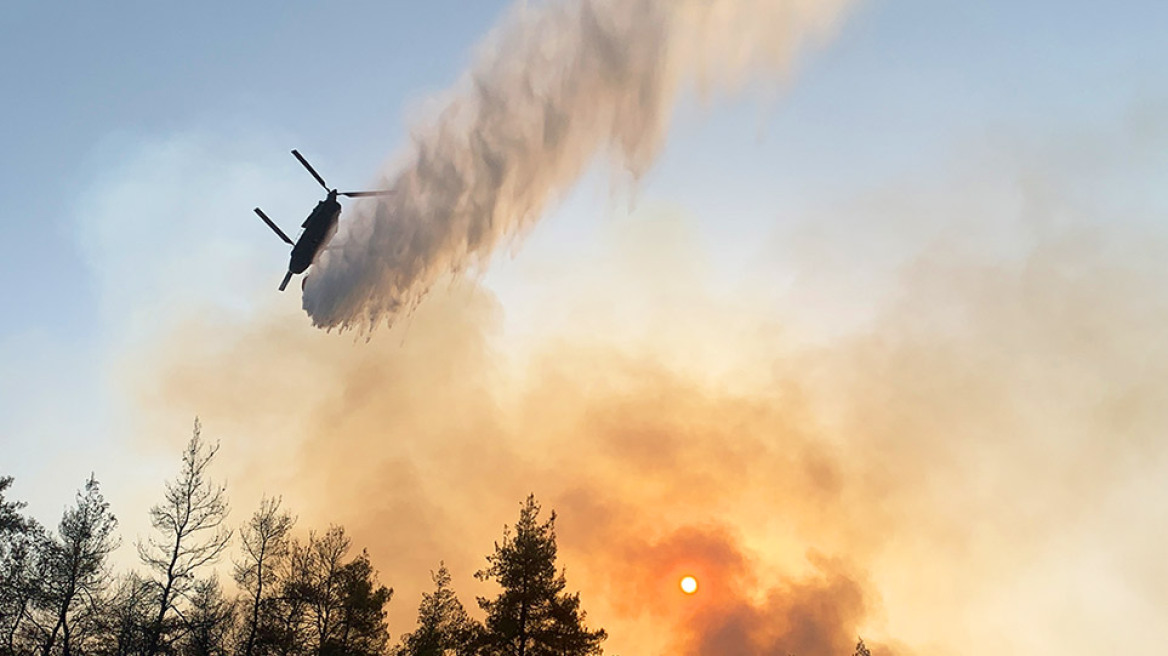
(318, 228)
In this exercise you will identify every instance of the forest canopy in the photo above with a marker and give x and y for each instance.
(288, 595)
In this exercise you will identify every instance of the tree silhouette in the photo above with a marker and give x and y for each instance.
(335, 608)
(58, 597)
(126, 617)
(265, 542)
(444, 628)
(23, 569)
(76, 573)
(11, 521)
(532, 616)
(320, 582)
(209, 621)
(191, 535)
(360, 628)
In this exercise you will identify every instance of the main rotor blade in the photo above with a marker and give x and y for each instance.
(273, 226)
(363, 194)
(310, 169)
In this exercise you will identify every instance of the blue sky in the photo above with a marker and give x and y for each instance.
(138, 136)
(93, 77)
(904, 82)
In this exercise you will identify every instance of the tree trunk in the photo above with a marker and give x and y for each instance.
(255, 607)
(62, 620)
(523, 618)
(10, 640)
(156, 630)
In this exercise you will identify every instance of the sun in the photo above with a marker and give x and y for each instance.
(689, 585)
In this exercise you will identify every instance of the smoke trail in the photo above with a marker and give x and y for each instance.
(557, 85)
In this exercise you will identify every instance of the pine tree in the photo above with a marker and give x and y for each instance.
(76, 572)
(333, 607)
(210, 621)
(360, 621)
(126, 618)
(444, 628)
(24, 568)
(532, 616)
(11, 521)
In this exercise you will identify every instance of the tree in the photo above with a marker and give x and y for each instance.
(321, 582)
(289, 633)
(444, 628)
(210, 621)
(265, 549)
(190, 523)
(127, 616)
(76, 573)
(360, 627)
(23, 569)
(532, 616)
(11, 521)
(861, 650)
(23, 572)
(337, 607)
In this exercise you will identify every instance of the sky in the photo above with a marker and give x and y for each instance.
(877, 333)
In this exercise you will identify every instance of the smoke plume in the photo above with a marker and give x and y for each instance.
(557, 85)
(422, 446)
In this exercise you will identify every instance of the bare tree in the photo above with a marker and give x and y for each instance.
(190, 523)
(290, 634)
(265, 550)
(326, 556)
(76, 570)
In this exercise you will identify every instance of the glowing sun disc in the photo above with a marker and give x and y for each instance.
(689, 585)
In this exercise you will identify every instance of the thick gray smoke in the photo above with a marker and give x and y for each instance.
(557, 85)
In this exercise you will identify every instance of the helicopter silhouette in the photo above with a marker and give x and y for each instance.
(318, 227)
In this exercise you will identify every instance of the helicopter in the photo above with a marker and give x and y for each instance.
(318, 227)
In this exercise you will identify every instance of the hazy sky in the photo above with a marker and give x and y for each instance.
(938, 196)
